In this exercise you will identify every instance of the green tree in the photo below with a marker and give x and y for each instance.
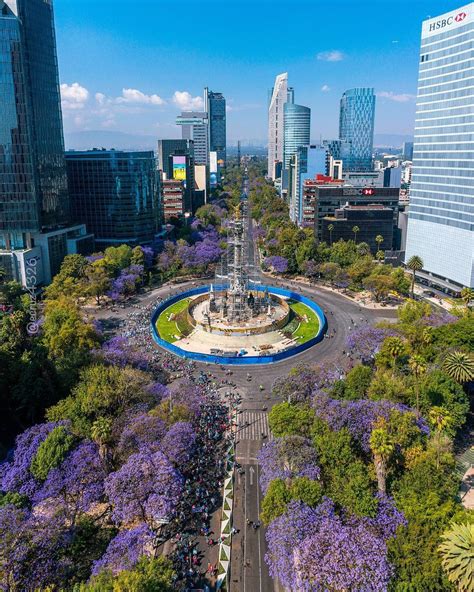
(417, 366)
(330, 230)
(286, 419)
(357, 381)
(149, 575)
(69, 280)
(51, 452)
(382, 447)
(101, 432)
(415, 263)
(138, 256)
(355, 230)
(440, 420)
(102, 391)
(98, 280)
(459, 366)
(280, 494)
(379, 240)
(395, 348)
(457, 555)
(467, 294)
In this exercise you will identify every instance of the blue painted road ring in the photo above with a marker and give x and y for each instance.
(239, 361)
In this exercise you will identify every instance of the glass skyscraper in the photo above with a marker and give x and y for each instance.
(33, 182)
(297, 126)
(215, 107)
(279, 95)
(356, 125)
(116, 193)
(441, 211)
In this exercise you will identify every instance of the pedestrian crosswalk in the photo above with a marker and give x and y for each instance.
(253, 425)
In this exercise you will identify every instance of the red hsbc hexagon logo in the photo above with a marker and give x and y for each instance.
(460, 17)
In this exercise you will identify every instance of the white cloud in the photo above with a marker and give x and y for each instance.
(132, 95)
(100, 98)
(333, 55)
(398, 98)
(73, 96)
(325, 88)
(186, 102)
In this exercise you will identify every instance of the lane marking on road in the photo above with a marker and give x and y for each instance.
(253, 425)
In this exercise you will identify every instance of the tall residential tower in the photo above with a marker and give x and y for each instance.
(215, 107)
(441, 213)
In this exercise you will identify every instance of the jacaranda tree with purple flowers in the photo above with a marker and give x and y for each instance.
(147, 487)
(178, 445)
(276, 263)
(125, 550)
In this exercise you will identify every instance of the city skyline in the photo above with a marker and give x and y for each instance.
(140, 100)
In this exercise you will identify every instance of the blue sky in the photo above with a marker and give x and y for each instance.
(131, 65)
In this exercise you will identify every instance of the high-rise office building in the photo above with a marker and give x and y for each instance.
(356, 125)
(278, 97)
(116, 194)
(195, 127)
(306, 163)
(407, 150)
(34, 201)
(296, 130)
(441, 213)
(167, 148)
(215, 107)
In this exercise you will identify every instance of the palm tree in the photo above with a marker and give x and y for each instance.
(467, 294)
(415, 264)
(457, 555)
(440, 419)
(100, 432)
(395, 348)
(363, 249)
(330, 228)
(382, 447)
(459, 366)
(417, 365)
(380, 255)
(355, 230)
(379, 241)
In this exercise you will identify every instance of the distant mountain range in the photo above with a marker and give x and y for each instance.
(123, 141)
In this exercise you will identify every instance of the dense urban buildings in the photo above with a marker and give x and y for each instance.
(362, 223)
(195, 127)
(173, 199)
(356, 126)
(306, 163)
(116, 193)
(34, 203)
(322, 196)
(215, 107)
(441, 213)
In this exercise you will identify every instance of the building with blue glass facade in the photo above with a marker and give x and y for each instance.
(34, 201)
(441, 212)
(297, 127)
(116, 194)
(356, 126)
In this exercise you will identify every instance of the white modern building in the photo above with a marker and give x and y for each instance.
(441, 213)
(279, 96)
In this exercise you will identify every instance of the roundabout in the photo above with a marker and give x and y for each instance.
(269, 325)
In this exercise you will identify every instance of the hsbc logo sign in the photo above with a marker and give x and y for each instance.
(446, 22)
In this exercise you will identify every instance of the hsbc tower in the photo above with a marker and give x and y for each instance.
(441, 211)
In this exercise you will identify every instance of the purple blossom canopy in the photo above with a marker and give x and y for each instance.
(31, 550)
(179, 443)
(144, 432)
(146, 487)
(364, 342)
(16, 475)
(78, 482)
(286, 458)
(119, 352)
(125, 550)
(314, 550)
(277, 263)
(359, 416)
